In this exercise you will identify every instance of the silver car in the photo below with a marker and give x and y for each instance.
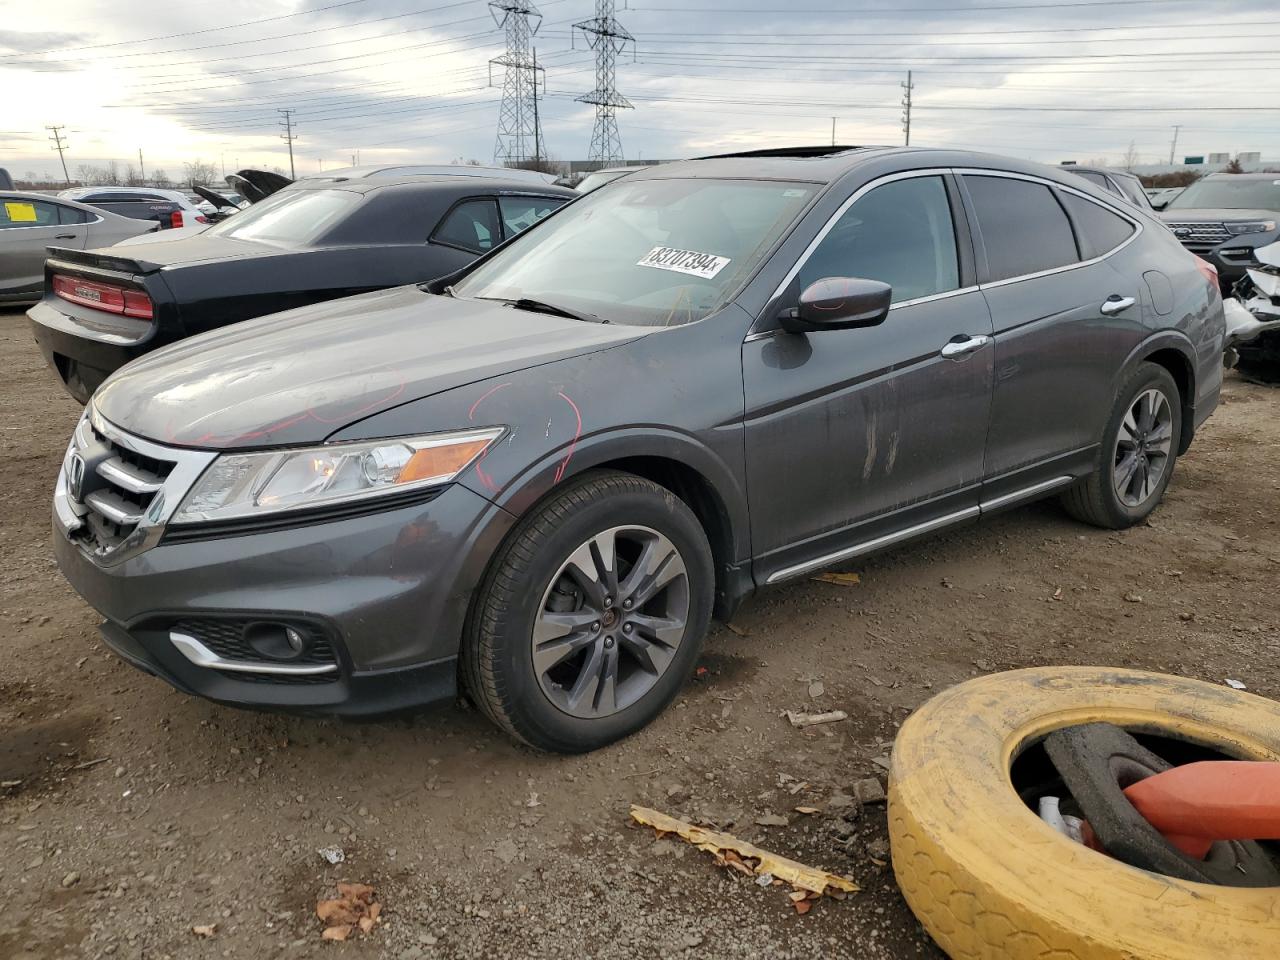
(31, 222)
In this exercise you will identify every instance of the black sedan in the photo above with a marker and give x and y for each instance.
(311, 242)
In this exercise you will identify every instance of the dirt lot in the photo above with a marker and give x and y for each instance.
(141, 812)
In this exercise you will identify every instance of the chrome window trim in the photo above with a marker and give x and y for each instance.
(1009, 175)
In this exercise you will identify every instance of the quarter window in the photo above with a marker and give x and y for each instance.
(1024, 228)
(521, 213)
(1099, 229)
(72, 215)
(472, 225)
(900, 233)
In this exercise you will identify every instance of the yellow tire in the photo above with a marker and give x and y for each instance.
(988, 879)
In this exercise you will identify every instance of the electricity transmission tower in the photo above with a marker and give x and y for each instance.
(608, 38)
(519, 131)
(907, 87)
(59, 145)
(288, 136)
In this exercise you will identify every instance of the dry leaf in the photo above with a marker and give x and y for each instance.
(337, 933)
(772, 820)
(205, 930)
(807, 811)
(337, 911)
(840, 579)
(734, 628)
(355, 891)
(366, 924)
(803, 906)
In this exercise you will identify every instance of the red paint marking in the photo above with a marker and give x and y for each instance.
(572, 443)
(471, 414)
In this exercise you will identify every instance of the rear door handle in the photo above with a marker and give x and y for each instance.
(961, 346)
(1114, 304)
(64, 236)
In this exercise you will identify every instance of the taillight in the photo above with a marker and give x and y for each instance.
(103, 296)
(1207, 270)
(201, 218)
(175, 219)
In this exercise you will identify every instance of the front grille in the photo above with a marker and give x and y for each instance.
(119, 491)
(1200, 237)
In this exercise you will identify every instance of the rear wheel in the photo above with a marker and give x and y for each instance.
(1137, 454)
(592, 614)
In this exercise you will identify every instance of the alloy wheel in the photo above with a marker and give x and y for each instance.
(1143, 446)
(610, 621)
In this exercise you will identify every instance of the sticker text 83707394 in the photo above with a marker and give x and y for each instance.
(705, 265)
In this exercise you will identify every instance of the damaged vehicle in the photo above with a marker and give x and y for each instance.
(1253, 316)
(1224, 218)
(540, 476)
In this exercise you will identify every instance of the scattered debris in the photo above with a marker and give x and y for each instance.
(1132, 597)
(90, 763)
(1235, 684)
(878, 851)
(71, 879)
(735, 629)
(869, 790)
(810, 719)
(354, 908)
(882, 762)
(842, 805)
(807, 811)
(840, 579)
(809, 883)
(332, 855)
(1057, 594)
(205, 930)
(1186, 616)
(764, 880)
(816, 689)
(533, 801)
(772, 820)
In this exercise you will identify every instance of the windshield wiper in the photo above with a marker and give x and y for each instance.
(540, 306)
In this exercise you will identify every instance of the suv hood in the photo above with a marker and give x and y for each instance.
(298, 377)
(1210, 215)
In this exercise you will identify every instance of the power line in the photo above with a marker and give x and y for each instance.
(56, 136)
(899, 11)
(608, 38)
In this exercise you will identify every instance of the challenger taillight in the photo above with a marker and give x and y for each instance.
(103, 296)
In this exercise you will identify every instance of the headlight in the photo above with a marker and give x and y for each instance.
(1253, 226)
(251, 484)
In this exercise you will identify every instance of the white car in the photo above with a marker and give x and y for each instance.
(169, 208)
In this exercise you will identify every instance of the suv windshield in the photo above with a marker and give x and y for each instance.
(1231, 194)
(645, 252)
(289, 218)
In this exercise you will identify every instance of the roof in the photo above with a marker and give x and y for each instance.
(384, 171)
(459, 185)
(1220, 175)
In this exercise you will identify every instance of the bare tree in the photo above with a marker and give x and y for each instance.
(200, 173)
(1130, 159)
(112, 173)
(159, 177)
(133, 177)
(1233, 166)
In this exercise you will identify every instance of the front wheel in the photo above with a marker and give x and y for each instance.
(1137, 454)
(592, 614)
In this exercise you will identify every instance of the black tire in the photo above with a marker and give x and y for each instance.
(497, 652)
(1094, 499)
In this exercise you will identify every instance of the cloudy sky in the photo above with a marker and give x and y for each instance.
(408, 80)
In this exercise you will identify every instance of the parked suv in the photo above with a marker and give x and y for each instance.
(542, 474)
(1225, 217)
(1121, 183)
(169, 208)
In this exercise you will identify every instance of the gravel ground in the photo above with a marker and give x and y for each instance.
(131, 813)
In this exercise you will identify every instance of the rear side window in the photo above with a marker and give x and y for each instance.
(472, 225)
(16, 213)
(900, 234)
(1097, 179)
(1024, 228)
(290, 218)
(521, 213)
(71, 215)
(1100, 230)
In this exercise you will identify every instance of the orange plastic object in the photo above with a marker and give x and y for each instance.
(1198, 803)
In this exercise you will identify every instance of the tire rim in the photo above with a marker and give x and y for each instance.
(611, 621)
(1142, 449)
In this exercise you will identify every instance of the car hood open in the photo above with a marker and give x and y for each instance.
(299, 376)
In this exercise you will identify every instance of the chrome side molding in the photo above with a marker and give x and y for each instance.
(202, 656)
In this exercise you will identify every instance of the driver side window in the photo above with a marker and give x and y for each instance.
(900, 233)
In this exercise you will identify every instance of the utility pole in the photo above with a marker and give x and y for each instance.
(537, 127)
(833, 131)
(288, 136)
(1173, 147)
(59, 145)
(519, 135)
(608, 38)
(906, 107)
(142, 170)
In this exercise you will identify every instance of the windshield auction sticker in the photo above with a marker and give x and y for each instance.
(705, 265)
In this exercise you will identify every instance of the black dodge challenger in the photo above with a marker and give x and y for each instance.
(314, 241)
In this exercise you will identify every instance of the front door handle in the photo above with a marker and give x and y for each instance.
(961, 346)
(64, 236)
(1114, 304)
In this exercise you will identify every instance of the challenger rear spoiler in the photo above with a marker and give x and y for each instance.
(99, 261)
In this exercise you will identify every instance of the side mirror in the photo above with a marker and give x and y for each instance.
(1159, 204)
(839, 303)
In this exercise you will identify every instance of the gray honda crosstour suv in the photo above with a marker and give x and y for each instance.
(542, 475)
